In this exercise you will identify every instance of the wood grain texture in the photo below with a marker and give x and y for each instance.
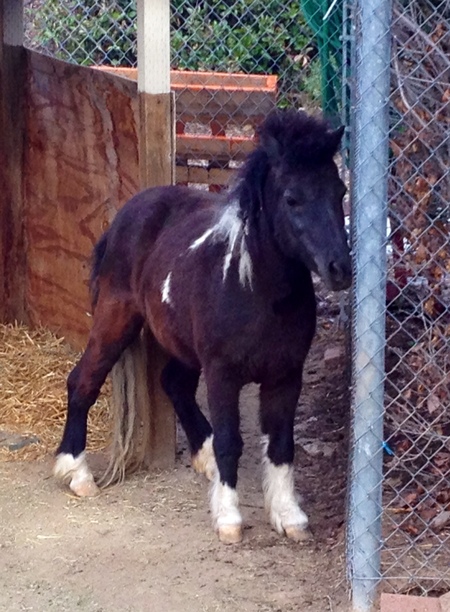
(204, 176)
(12, 91)
(156, 162)
(213, 147)
(81, 165)
(156, 140)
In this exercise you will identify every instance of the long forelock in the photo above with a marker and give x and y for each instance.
(301, 138)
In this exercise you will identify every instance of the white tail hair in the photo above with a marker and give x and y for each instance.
(131, 414)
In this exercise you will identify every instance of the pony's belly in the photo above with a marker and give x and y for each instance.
(163, 326)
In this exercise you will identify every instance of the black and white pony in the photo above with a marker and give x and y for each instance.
(224, 284)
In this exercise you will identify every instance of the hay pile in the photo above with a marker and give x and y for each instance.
(34, 365)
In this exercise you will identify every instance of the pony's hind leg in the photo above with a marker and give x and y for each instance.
(223, 398)
(180, 383)
(115, 326)
(278, 403)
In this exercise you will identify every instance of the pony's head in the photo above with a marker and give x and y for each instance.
(292, 180)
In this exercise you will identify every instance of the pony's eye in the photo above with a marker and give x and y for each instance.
(291, 201)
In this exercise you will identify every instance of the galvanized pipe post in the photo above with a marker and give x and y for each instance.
(370, 131)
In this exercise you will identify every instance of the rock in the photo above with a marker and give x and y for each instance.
(14, 442)
(317, 448)
(333, 355)
(440, 521)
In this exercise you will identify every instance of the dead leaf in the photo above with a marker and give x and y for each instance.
(433, 403)
(428, 514)
(411, 529)
(441, 520)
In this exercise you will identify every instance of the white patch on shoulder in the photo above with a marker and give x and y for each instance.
(76, 473)
(280, 499)
(231, 230)
(165, 289)
(203, 238)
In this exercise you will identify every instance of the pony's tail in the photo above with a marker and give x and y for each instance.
(130, 446)
(97, 259)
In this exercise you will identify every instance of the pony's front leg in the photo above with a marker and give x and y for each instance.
(278, 404)
(223, 399)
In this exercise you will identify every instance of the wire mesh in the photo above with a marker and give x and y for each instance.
(415, 514)
(253, 55)
(416, 522)
(247, 56)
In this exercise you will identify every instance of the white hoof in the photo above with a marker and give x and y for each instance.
(297, 533)
(230, 534)
(204, 461)
(75, 472)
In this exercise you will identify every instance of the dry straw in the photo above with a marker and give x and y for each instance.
(34, 365)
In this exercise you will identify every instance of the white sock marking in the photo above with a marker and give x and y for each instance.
(229, 228)
(204, 461)
(280, 499)
(76, 473)
(165, 289)
(224, 504)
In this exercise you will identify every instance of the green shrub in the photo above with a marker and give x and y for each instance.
(252, 36)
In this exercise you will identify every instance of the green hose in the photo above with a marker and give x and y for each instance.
(325, 19)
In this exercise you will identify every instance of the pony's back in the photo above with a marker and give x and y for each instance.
(122, 249)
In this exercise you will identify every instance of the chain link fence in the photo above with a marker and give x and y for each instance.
(251, 55)
(401, 335)
(417, 394)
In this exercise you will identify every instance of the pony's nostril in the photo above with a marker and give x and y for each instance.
(335, 270)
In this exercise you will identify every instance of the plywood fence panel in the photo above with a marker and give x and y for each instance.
(81, 165)
(12, 82)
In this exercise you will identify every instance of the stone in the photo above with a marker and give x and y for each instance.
(14, 442)
(333, 355)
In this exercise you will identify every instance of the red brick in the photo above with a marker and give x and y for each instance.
(444, 600)
(408, 603)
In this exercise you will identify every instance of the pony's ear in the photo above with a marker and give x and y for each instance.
(272, 147)
(334, 138)
(252, 185)
(270, 135)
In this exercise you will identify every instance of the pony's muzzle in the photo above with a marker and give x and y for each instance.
(337, 273)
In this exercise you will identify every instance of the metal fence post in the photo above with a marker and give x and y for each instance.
(369, 206)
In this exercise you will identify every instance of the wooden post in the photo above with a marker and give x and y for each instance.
(12, 79)
(156, 167)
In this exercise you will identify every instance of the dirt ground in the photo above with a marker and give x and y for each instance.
(148, 544)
